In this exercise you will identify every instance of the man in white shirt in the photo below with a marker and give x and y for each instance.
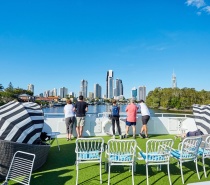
(145, 114)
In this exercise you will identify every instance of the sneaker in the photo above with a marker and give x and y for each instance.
(121, 137)
(146, 137)
(134, 136)
(113, 137)
(125, 136)
(141, 135)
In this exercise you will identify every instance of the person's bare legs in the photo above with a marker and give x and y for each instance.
(134, 130)
(146, 134)
(80, 131)
(144, 130)
(77, 130)
(126, 131)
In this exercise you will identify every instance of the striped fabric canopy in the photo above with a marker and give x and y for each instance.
(202, 117)
(21, 122)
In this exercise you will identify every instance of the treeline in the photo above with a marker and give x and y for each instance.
(10, 93)
(175, 98)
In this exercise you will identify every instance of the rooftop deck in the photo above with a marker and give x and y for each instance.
(60, 169)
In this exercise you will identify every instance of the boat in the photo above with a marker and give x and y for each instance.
(60, 166)
(60, 103)
(100, 124)
(161, 126)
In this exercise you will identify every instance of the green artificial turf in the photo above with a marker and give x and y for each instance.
(60, 169)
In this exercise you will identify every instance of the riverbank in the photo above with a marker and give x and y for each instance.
(176, 110)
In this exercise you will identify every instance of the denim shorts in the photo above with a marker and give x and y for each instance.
(130, 123)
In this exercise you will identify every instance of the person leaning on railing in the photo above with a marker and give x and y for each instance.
(145, 118)
(80, 108)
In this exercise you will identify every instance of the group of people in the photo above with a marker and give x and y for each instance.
(81, 107)
(131, 111)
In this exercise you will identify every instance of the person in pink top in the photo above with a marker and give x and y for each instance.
(131, 110)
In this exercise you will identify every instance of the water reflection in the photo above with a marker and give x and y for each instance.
(95, 109)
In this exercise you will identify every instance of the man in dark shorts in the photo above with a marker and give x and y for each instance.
(80, 108)
(131, 110)
(145, 118)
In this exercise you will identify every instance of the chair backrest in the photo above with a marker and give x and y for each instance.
(121, 150)
(89, 148)
(205, 147)
(21, 167)
(158, 150)
(189, 147)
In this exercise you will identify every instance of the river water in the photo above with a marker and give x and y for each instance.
(95, 109)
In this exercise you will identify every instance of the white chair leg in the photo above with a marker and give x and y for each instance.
(204, 168)
(109, 173)
(147, 174)
(196, 165)
(77, 169)
(169, 177)
(100, 174)
(132, 174)
(181, 172)
(57, 143)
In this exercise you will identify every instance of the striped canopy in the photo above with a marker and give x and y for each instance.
(21, 122)
(202, 117)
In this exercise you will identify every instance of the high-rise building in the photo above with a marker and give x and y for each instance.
(47, 93)
(118, 87)
(109, 84)
(83, 87)
(54, 92)
(174, 83)
(110, 87)
(71, 94)
(91, 95)
(97, 91)
(142, 93)
(41, 95)
(31, 88)
(134, 93)
(63, 92)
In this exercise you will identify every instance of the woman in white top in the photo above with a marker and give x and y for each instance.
(69, 118)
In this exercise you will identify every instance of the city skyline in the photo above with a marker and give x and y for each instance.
(57, 44)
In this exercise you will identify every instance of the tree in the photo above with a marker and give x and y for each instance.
(9, 88)
(1, 87)
(177, 98)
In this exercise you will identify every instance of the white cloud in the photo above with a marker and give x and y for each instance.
(197, 3)
(198, 13)
(206, 9)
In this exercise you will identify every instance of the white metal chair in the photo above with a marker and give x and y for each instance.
(89, 150)
(20, 168)
(204, 152)
(54, 135)
(187, 151)
(121, 152)
(158, 152)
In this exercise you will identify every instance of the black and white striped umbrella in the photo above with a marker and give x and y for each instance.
(202, 117)
(21, 122)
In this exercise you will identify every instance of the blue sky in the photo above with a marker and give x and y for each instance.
(54, 43)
